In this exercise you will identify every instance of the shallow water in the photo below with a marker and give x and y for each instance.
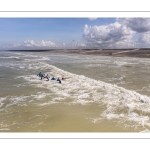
(99, 93)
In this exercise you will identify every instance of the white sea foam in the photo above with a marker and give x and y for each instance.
(116, 98)
(9, 101)
(145, 131)
(40, 95)
(83, 87)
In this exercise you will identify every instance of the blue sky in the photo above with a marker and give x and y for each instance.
(71, 33)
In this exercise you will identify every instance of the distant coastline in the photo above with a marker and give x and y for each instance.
(135, 52)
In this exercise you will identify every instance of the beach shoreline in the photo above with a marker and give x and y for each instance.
(141, 53)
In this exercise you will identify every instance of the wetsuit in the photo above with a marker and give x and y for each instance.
(40, 75)
(53, 78)
(59, 80)
(47, 77)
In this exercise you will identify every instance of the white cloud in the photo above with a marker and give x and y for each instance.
(91, 19)
(16, 45)
(144, 40)
(9, 46)
(139, 25)
(119, 34)
(78, 45)
(108, 36)
(31, 43)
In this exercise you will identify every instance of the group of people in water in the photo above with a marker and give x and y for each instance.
(48, 77)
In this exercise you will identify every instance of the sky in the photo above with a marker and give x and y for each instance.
(74, 33)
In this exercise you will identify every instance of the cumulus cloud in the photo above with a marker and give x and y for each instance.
(11, 46)
(16, 45)
(108, 36)
(31, 43)
(139, 25)
(144, 40)
(78, 45)
(119, 34)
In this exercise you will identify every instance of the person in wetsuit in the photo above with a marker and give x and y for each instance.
(40, 75)
(53, 78)
(58, 80)
(47, 77)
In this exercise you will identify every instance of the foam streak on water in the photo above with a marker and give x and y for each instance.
(100, 89)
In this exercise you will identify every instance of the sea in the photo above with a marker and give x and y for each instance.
(99, 93)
